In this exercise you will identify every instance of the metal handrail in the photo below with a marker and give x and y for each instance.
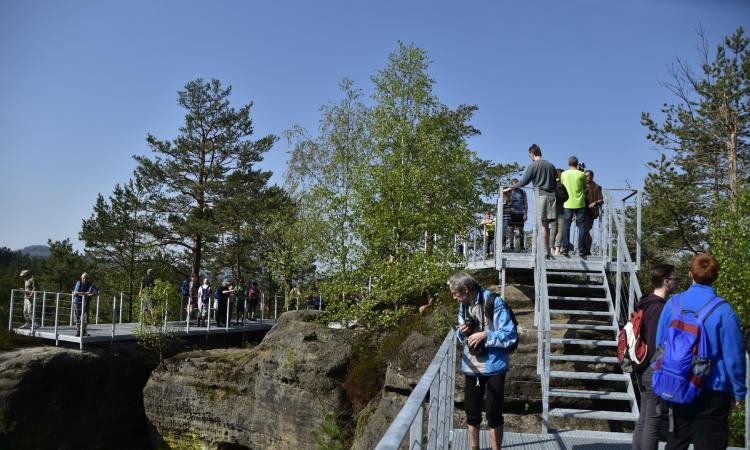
(541, 295)
(437, 386)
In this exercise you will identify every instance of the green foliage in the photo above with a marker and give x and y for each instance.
(330, 436)
(63, 268)
(385, 188)
(153, 333)
(730, 243)
(201, 182)
(115, 236)
(704, 147)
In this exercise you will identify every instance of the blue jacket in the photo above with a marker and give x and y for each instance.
(722, 328)
(495, 358)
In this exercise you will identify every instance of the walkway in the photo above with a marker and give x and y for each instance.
(123, 332)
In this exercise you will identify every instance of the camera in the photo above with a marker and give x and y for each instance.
(473, 324)
(582, 166)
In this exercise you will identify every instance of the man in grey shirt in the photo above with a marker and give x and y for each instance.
(542, 175)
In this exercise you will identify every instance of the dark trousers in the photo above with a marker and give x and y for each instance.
(221, 311)
(648, 429)
(580, 215)
(475, 388)
(241, 309)
(704, 422)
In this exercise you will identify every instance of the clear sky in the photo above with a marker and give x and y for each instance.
(83, 82)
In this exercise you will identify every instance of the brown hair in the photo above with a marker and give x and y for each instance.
(535, 150)
(659, 273)
(704, 268)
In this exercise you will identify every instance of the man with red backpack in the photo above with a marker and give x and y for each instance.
(699, 395)
(647, 430)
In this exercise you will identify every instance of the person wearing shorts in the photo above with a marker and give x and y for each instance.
(484, 360)
(543, 176)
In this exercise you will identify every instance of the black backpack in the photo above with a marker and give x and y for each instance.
(489, 311)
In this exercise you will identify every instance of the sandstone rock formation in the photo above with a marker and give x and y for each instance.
(56, 398)
(273, 396)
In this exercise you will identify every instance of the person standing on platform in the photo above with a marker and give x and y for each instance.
(558, 225)
(575, 183)
(84, 289)
(204, 303)
(541, 174)
(594, 199)
(29, 290)
(185, 295)
(519, 209)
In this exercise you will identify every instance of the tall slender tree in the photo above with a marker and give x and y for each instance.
(209, 163)
(115, 234)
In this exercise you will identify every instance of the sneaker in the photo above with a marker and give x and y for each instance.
(78, 334)
(565, 254)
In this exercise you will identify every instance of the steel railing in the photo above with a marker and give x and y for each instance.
(435, 390)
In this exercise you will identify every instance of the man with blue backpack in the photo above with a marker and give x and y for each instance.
(487, 328)
(699, 368)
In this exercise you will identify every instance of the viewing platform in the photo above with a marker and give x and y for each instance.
(124, 332)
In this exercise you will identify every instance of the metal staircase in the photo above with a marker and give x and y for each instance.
(577, 319)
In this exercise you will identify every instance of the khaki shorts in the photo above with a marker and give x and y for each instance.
(547, 209)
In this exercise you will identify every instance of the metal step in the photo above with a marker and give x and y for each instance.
(573, 274)
(581, 299)
(599, 395)
(576, 326)
(576, 286)
(585, 342)
(591, 414)
(585, 358)
(589, 375)
(573, 312)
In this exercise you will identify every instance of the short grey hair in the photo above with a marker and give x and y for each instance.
(463, 282)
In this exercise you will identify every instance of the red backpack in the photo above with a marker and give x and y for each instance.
(631, 347)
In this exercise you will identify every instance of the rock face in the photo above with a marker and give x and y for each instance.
(272, 396)
(55, 398)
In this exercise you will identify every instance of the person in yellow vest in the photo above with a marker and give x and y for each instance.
(575, 183)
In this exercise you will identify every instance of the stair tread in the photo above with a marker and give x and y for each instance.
(578, 326)
(585, 358)
(603, 395)
(569, 273)
(576, 285)
(593, 414)
(589, 375)
(583, 299)
(580, 312)
(595, 342)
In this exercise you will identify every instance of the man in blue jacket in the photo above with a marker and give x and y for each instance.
(484, 360)
(705, 421)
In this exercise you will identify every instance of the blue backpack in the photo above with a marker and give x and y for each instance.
(683, 358)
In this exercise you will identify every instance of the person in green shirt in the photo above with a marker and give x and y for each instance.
(574, 181)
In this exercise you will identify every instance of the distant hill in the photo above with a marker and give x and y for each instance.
(36, 251)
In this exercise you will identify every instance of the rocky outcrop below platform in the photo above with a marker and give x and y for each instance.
(56, 398)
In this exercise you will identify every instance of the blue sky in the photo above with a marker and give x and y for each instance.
(83, 82)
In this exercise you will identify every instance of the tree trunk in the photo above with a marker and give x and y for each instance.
(197, 244)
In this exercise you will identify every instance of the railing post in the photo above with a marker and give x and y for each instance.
(275, 305)
(166, 312)
(226, 324)
(262, 306)
(114, 308)
(618, 280)
(57, 308)
(499, 229)
(33, 313)
(638, 231)
(141, 314)
(96, 321)
(10, 311)
(44, 301)
(208, 318)
(83, 319)
(120, 308)
(415, 432)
